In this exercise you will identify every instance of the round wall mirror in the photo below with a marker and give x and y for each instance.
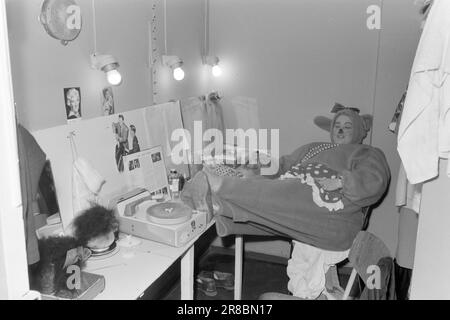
(61, 19)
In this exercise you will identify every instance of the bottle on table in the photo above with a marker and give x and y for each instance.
(176, 182)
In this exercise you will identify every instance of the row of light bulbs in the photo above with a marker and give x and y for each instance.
(109, 65)
(175, 63)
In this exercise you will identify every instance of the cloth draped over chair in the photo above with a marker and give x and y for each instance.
(374, 264)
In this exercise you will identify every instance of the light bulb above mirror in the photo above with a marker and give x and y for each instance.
(216, 71)
(178, 74)
(114, 77)
(213, 61)
(109, 65)
(175, 63)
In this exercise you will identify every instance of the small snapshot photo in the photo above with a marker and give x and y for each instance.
(160, 193)
(156, 157)
(156, 193)
(120, 130)
(107, 101)
(72, 98)
(136, 164)
(131, 165)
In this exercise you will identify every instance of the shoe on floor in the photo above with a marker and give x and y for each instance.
(222, 279)
(206, 285)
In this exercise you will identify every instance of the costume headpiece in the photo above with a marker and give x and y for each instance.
(361, 123)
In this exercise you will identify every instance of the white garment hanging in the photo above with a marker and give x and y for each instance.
(424, 133)
(86, 182)
(407, 194)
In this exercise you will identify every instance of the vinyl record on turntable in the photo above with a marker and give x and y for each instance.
(169, 213)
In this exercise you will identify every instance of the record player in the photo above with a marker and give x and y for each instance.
(156, 218)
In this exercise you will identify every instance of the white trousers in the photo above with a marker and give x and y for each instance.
(307, 268)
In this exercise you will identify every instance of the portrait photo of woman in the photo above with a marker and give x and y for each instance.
(72, 98)
(107, 101)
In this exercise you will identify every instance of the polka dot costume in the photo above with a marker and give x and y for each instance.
(308, 173)
(224, 171)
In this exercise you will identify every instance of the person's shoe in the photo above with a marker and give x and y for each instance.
(222, 279)
(206, 285)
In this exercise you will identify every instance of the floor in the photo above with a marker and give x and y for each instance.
(255, 279)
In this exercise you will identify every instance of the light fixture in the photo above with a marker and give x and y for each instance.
(109, 65)
(213, 61)
(208, 59)
(175, 63)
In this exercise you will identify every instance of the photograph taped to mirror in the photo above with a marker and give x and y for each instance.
(142, 171)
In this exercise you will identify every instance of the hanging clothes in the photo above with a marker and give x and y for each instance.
(424, 133)
(86, 181)
(426, 10)
(407, 236)
(395, 122)
(206, 111)
(31, 163)
(240, 113)
(407, 194)
(214, 113)
(407, 198)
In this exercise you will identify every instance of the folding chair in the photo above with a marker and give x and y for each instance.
(370, 258)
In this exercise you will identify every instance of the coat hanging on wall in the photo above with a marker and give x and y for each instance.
(61, 19)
